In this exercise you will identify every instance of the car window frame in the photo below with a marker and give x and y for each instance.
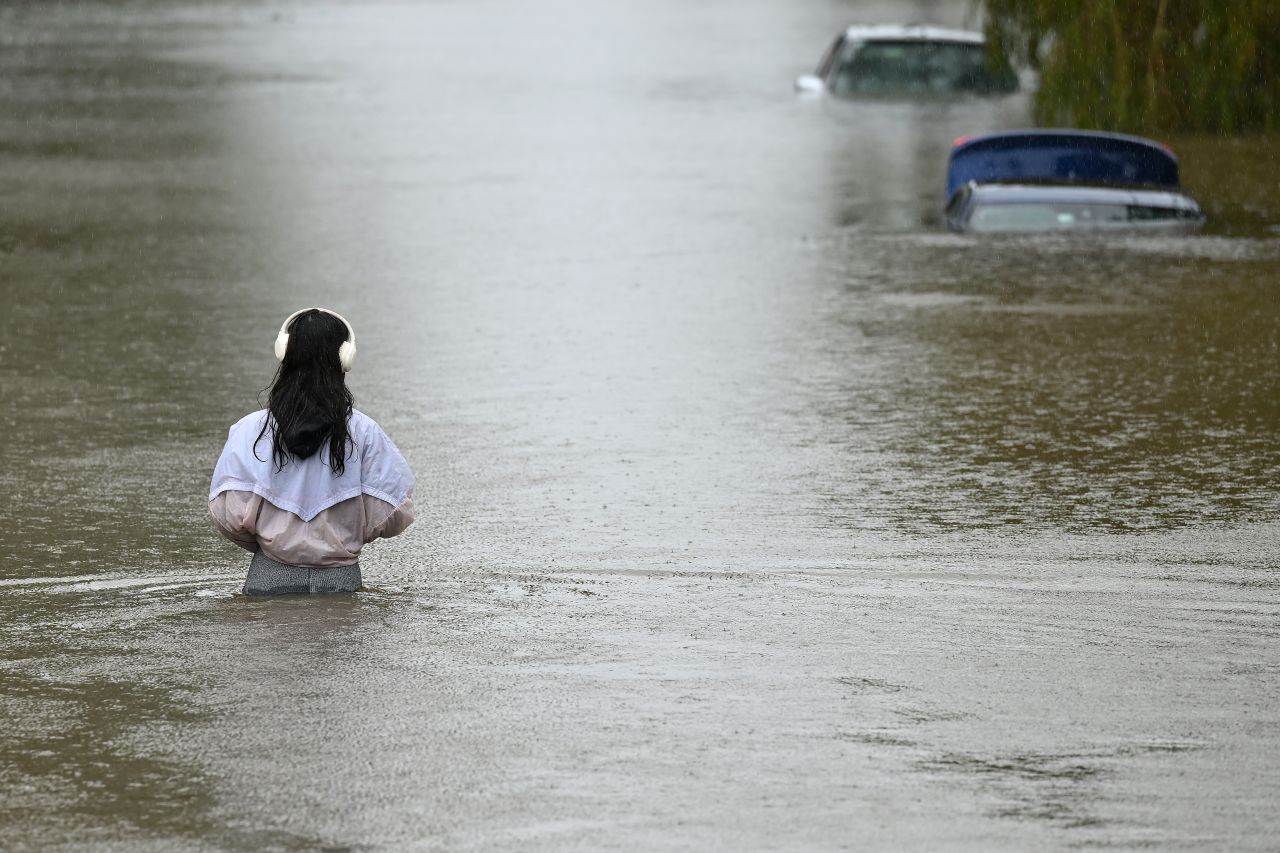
(828, 60)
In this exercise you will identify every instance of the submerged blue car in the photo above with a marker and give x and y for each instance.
(1065, 180)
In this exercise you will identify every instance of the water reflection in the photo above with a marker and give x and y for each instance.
(887, 159)
(95, 743)
(1074, 384)
(118, 248)
(1057, 788)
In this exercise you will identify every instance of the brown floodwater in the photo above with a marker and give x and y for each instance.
(756, 510)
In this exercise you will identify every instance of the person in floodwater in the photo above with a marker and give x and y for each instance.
(307, 482)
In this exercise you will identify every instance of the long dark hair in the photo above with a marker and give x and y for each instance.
(308, 399)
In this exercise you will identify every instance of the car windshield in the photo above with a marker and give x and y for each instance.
(916, 67)
(1073, 216)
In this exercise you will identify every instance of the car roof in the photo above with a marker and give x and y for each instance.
(911, 32)
(1050, 193)
(1062, 155)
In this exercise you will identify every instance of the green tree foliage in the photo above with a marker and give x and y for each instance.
(1147, 65)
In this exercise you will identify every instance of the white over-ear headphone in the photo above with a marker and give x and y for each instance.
(346, 352)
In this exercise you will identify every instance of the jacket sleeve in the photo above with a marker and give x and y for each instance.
(382, 520)
(235, 514)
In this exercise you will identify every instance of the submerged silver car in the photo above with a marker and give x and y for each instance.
(908, 61)
(993, 208)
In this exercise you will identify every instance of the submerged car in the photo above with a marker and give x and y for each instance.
(914, 60)
(1065, 180)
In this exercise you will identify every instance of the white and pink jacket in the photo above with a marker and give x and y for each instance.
(304, 514)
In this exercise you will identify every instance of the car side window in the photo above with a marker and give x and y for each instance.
(1144, 213)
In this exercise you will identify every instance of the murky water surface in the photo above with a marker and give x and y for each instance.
(757, 512)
